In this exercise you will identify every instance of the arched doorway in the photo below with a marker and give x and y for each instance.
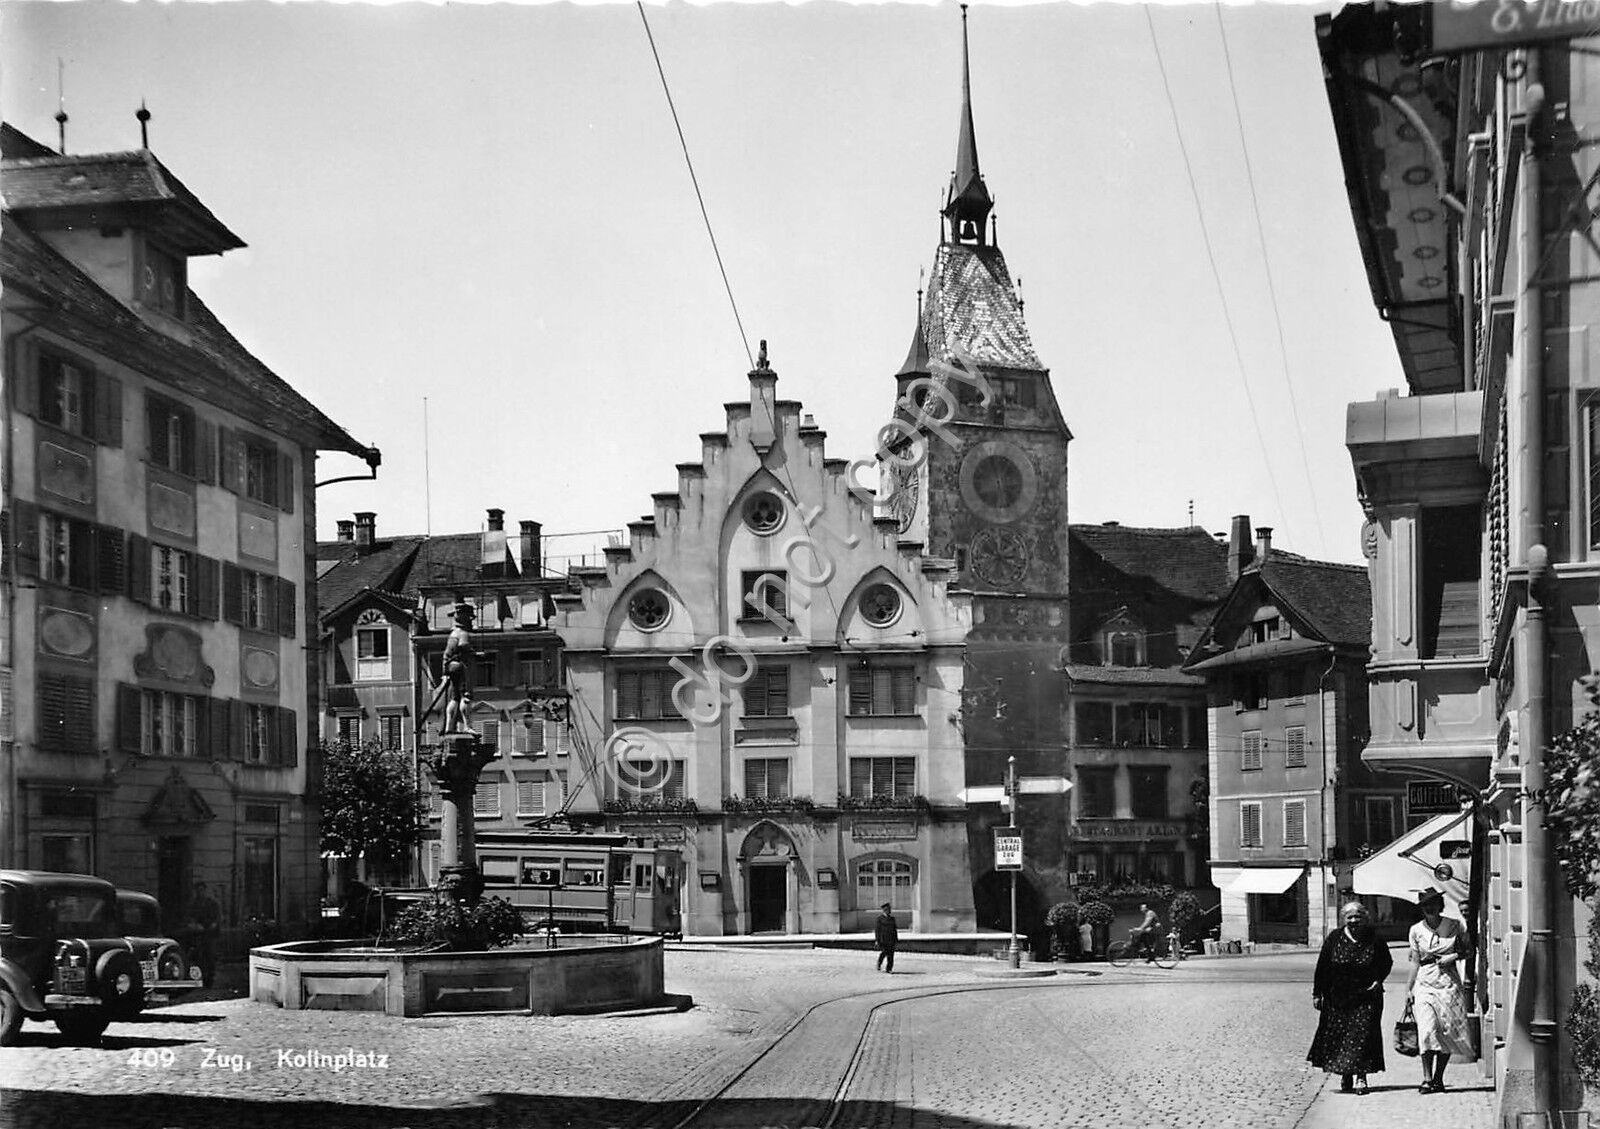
(766, 857)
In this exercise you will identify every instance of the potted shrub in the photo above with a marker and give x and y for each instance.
(1185, 916)
(1098, 916)
(1062, 921)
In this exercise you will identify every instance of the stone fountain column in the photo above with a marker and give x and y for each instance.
(456, 763)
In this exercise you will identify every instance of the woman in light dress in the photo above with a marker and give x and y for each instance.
(1435, 990)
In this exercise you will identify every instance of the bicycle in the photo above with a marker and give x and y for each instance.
(1163, 951)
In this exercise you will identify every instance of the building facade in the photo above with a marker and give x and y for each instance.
(158, 647)
(767, 677)
(1470, 174)
(1292, 804)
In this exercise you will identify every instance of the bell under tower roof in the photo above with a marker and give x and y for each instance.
(968, 205)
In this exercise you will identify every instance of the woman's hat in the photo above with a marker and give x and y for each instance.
(1429, 894)
(885, 905)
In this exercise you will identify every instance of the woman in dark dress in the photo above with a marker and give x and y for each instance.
(1348, 991)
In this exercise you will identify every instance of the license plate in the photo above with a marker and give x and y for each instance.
(149, 967)
(73, 981)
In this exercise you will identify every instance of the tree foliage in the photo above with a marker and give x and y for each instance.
(444, 921)
(1571, 799)
(370, 802)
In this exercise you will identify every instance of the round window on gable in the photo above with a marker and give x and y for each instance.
(880, 605)
(649, 609)
(763, 512)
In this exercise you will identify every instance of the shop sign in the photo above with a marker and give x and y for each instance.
(1008, 848)
(1465, 25)
(660, 832)
(883, 831)
(1431, 797)
(1127, 829)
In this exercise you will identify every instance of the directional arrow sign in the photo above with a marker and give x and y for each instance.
(984, 794)
(1043, 785)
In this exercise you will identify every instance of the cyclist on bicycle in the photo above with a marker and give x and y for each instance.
(1142, 936)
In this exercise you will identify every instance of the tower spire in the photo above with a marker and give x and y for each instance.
(968, 205)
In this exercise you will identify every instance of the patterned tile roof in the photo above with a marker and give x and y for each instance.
(971, 303)
(344, 571)
(1334, 599)
(211, 360)
(1188, 561)
(1131, 675)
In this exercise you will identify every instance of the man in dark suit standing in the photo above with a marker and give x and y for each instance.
(887, 935)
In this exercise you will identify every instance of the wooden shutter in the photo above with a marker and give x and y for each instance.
(205, 451)
(860, 691)
(1250, 824)
(207, 586)
(25, 529)
(284, 722)
(82, 565)
(25, 379)
(111, 546)
(230, 448)
(108, 409)
(628, 693)
(778, 691)
(1295, 753)
(650, 687)
(232, 593)
(1251, 758)
(155, 430)
(905, 692)
(905, 776)
(285, 600)
(285, 483)
(1294, 823)
(53, 707)
(130, 718)
(139, 568)
(220, 731)
(861, 776)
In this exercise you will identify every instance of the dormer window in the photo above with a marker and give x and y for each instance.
(162, 281)
(1122, 643)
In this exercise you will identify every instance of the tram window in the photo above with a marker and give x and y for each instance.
(641, 876)
(664, 877)
(534, 874)
(584, 876)
(499, 869)
(619, 870)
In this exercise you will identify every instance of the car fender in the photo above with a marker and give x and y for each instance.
(20, 985)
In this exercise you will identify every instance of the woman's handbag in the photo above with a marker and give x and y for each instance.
(1405, 1033)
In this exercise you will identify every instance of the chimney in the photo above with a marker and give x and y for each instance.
(366, 529)
(497, 520)
(1240, 551)
(347, 530)
(1263, 543)
(492, 561)
(531, 549)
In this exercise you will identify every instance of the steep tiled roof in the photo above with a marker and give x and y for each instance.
(972, 304)
(343, 570)
(1334, 599)
(212, 361)
(1189, 562)
(451, 558)
(1131, 675)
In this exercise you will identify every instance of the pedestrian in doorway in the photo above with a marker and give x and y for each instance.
(205, 923)
(1347, 989)
(1435, 989)
(887, 934)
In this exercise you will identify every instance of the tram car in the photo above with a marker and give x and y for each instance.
(585, 883)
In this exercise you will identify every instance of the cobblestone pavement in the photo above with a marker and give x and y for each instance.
(1214, 1043)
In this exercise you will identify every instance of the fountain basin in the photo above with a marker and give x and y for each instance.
(597, 973)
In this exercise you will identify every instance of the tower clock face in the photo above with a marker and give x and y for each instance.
(998, 482)
(999, 557)
(903, 496)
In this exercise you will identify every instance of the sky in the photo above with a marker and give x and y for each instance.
(474, 243)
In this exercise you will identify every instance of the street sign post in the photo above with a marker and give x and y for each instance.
(1008, 848)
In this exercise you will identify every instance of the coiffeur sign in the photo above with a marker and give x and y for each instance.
(1465, 25)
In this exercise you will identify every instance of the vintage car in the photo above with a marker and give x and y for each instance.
(63, 956)
(167, 969)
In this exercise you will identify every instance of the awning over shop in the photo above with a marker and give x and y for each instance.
(1408, 864)
(1264, 880)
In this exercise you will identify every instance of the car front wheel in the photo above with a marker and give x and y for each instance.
(83, 1026)
(120, 984)
(10, 1018)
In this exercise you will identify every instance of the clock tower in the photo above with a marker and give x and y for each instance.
(990, 493)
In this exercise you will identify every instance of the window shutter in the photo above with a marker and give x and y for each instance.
(905, 694)
(882, 691)
(284, 722)
(755, 779)
(155, 430)
(83, 562)
(1294, 823)
(860, 691)
(232, 593)
(1295, 747)
(286, 608)
(53, 704)
(205, 451)
(905, 776)
(285, 483)
(861, 776)
(25, 380)
(628, 693)
(649, 694)
(530, 797)
(219, 729)
(778, 691)
(1251, 758)
(1250, 824)
(207, 584)
(25, 529)
(230, 448)
(139, 568)
(238, 734)
(108, 409)
(112, 549)
(130, 718)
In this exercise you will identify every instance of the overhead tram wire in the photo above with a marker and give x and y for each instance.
(1272, 290)
(1211, 257)
(667, 90)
